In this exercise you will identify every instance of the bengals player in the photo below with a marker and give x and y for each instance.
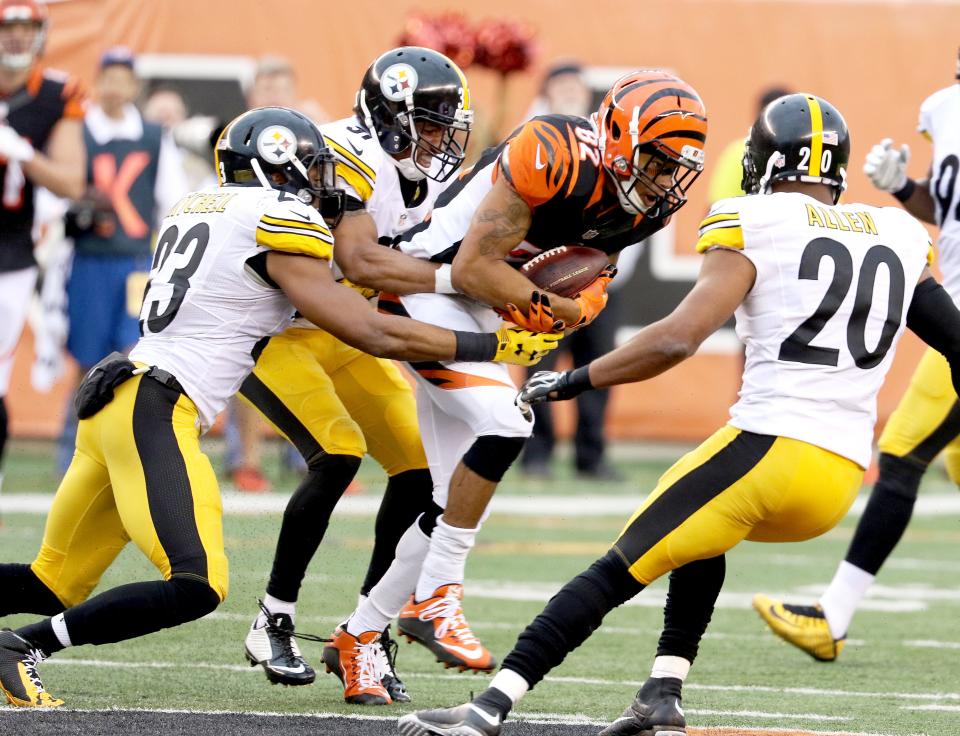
(606, 182)
(41, 144)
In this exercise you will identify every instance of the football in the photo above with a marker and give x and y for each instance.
(566, 270)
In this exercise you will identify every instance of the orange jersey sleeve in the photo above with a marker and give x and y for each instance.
(74, 99)
(538, 162)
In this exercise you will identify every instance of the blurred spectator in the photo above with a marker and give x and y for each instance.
(728, 169)
(565, 91)
(165, 107)
(275, 83)
(134, 177)
(41, 145)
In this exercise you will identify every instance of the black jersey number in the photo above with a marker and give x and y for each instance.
(797, 347)
(944, 186)
(193, 244)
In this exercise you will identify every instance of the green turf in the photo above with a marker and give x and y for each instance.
(739, 679)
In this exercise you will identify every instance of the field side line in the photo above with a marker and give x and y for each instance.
(557, 679)
(533, 717)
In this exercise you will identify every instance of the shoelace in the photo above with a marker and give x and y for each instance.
(31, 660)
(450, 613)
(388, 651)
(367, 662)
(286, 634)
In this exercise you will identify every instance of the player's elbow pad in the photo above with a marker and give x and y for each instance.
(936, 320)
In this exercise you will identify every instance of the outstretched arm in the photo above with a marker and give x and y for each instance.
(725, 279)
(367, 263)
(935, 319)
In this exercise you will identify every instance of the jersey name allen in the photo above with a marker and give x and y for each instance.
(857, 222)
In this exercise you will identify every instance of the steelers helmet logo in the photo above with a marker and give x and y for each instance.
(398, 81)
(276, 144)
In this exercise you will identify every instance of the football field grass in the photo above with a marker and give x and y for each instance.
(899, 676)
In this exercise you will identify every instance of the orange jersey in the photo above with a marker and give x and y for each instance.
(553, 164)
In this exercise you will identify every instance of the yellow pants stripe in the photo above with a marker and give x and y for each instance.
(735, 486)
(137, 474)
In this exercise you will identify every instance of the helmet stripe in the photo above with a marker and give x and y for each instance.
(816, 135)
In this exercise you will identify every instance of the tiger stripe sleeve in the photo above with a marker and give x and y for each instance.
(720, 229)
(295, 230)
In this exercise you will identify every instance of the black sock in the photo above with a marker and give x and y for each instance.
(692, 595)
(408, 495)
(494, 702)
(571, 616)
(24, 592)
(3, 429)
(305, 521)
(41, 636)
(887, 513)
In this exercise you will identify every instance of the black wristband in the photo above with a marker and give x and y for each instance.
(475, 347)
(579, 378)
(906, 191)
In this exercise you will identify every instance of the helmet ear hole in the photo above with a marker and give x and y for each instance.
(615, 131)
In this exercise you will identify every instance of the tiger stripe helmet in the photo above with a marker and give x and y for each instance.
(652, 124)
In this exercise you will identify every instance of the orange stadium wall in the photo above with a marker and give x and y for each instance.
(876, 61)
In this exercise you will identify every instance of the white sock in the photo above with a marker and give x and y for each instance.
(670, 667)
(447, 559)
(60, 629)
(389, 595)
(510, 684)
(840, 600)
(275, 605)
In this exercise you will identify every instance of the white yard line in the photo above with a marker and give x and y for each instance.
(819, 692)
(532, 505)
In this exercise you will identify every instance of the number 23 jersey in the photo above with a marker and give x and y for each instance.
(822, 320)
(210, 299)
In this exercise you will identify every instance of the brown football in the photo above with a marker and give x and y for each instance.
(566, 270)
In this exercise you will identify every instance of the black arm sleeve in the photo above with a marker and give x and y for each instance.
(936, 320)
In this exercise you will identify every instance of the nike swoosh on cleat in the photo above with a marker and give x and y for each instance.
(676, 703)
(291, 670)
(493, 720)
(472, 653)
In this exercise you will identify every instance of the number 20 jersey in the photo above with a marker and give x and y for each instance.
(822, 320)
(209, 299)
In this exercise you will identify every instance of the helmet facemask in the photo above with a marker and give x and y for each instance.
(639, 180)
(18, 48)
(317, 185)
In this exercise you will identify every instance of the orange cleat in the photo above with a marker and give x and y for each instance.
(356, 660)
(439, 625)
(248, 479)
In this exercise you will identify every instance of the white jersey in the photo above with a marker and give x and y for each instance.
(823, 318)
(940, 122)
(209, 299)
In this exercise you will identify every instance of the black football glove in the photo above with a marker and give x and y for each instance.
(552, 386)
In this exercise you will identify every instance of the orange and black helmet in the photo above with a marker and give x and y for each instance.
(653, 127)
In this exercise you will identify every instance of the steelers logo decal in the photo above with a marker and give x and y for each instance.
(276, 144)
(398, 81)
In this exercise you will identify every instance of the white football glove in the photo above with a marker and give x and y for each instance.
(886, 166)
(13, 146)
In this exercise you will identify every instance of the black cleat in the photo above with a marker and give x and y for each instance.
(462, 720)
(391, 681)
(655, 711)
(272, 646)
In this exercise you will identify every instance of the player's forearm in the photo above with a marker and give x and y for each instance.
(384, 269)
(935, 319)
(920, 203)
(652, 351)
(65, 179)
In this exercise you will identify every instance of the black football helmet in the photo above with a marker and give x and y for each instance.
(798, 137)
(266, 141)
(411, 85)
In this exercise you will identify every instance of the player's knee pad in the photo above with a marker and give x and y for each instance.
(490, 456)
(899, 477)
(428, 519)
(189, 598)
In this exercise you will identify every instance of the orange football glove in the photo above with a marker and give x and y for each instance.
(539, 317)
(593, 299)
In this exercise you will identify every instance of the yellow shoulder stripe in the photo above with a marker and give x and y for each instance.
(358, 182)
(721, 237)
(723, 216)
(286, 242)
(302, 224)
(353, 159)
